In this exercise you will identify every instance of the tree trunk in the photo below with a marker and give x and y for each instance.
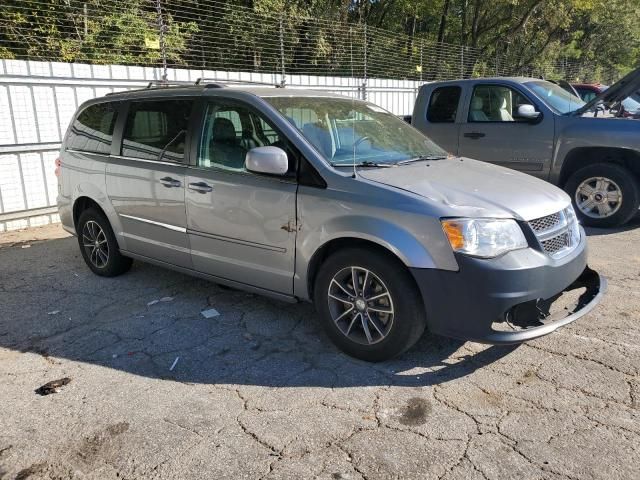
(463, 29)
(443, 21)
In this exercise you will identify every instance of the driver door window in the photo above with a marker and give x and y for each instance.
(496, 103)
(230, 131)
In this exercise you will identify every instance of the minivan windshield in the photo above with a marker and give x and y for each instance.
(348, 131)
(555, 96)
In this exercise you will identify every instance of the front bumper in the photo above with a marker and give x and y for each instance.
(487, 293)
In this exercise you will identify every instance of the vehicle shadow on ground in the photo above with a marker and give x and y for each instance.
(56, 308)
(631, 225)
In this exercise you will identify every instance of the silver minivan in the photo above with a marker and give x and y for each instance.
(310, 196)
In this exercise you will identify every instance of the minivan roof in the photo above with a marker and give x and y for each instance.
(204, 89)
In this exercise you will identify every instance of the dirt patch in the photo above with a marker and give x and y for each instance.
(46, 471)
(35, 469)
(100, 443)
(20, 238)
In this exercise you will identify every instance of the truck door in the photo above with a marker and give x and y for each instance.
(492, 131)
(436, 115)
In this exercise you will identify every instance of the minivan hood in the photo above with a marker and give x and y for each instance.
(472, 188)
(617, 92)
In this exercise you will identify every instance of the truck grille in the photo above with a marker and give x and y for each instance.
(558, 233)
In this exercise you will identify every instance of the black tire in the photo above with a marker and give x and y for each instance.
(114, 263)
(622, 179)
(401, 330)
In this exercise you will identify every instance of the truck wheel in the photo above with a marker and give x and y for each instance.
(99, 246)
(604, 195)
(369, 304)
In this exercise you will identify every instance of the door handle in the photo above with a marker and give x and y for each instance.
(474, 135)
(200, 187)
(170, 182)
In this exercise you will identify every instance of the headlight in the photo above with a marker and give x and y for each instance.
(485, 238)
(574, 226)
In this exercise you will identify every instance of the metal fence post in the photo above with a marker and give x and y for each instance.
(364, 80)
(461, 61)
(162, 28)
(421, 63)
(283, 73)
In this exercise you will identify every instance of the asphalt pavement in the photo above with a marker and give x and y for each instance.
(147, 387)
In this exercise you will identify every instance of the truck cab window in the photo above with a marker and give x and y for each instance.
(443, 105)
(495, 103)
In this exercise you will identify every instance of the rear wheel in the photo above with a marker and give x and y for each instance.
(98, 245)
(604, 195)
(369, 304)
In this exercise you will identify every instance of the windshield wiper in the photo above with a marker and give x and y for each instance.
(365, 163)
(424, 158)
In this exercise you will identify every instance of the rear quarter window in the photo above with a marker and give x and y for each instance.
(92, 130)
(443, 104)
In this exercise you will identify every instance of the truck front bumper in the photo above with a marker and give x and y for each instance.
(509, 299)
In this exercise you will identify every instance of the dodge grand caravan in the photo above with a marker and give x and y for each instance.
(309, 196)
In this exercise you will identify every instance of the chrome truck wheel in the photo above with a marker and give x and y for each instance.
(598, 197)
(604, 194)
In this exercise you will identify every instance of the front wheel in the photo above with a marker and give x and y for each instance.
(369, 304)
(604, 195)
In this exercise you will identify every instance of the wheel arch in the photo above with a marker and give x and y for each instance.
(581, 157)
(83, 203)
(337, 244)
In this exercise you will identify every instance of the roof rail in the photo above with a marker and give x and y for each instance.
(167, 83)
(156, 84)
(220, 82)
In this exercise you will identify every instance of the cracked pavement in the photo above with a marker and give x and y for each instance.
(260, 392)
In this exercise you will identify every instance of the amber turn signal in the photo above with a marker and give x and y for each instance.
(453, 230)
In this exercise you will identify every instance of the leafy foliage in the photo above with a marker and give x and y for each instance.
(390, 38)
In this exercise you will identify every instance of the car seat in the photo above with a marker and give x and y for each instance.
(224, 148)
(477, 113)
(500, 109)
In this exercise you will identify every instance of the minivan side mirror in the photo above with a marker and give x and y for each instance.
(267, 160)
(528, 112)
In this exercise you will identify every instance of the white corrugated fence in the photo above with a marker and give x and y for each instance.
(38, 99)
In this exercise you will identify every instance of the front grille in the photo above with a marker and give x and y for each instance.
(555, 244)
(545, 223)
(558, 233)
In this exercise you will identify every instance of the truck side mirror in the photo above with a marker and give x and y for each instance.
(528, 112)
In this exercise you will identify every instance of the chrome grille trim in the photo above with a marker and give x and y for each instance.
(545, 223)
(558, 234)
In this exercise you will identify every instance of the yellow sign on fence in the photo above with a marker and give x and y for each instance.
(152, 42)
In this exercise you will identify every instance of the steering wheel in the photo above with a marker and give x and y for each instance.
(358, 142)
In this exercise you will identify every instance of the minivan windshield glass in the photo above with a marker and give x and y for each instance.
(348, 131)
(555, 96)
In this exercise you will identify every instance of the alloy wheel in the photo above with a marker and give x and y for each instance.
(361, 305)
(94, 242)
